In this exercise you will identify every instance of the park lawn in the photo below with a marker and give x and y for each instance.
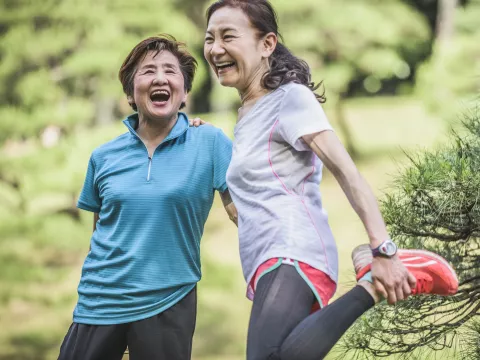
(34, 323)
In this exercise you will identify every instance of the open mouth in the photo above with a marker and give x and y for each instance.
(160, 96)
(225, 65)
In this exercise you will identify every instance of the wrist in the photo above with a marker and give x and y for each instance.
(378, 239)
(386, 249)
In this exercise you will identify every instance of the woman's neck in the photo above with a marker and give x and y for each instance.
(153, 132)
(251, 95)
(254, 89)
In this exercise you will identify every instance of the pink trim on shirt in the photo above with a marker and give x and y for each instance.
(303, 186)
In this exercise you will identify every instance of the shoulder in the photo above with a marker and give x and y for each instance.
(299, 92)
(208, 132)
(113, 146)
(298, 97)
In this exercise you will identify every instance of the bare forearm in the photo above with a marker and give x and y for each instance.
(332, 153)
(229, 206)
(363, 201)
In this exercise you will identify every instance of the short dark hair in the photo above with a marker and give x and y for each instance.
(284, 66)
(163, 42)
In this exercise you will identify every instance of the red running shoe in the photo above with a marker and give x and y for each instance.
(433, 273)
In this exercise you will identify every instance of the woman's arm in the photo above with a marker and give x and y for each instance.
(95, 219)
(330, 150)
(391, 278)
(229, 206)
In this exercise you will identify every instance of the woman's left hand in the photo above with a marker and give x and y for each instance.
(197, 122)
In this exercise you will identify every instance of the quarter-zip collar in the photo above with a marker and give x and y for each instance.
(131, 122)
(180, 127)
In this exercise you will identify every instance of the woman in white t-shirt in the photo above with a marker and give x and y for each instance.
(288, 253)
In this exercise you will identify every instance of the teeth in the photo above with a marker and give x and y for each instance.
(160, 92)
(225, 63)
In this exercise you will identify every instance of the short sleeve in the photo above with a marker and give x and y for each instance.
(300, 114)
(89, 197)
(221, 159)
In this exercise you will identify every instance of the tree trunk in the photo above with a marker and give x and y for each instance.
(200, 103)
(445, 20)
(345, 129)
(104, 111)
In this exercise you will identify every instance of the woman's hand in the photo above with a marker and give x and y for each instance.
(391, 279)
(229, 206)
(197, 122)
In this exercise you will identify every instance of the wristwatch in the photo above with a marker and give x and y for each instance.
(387, 249)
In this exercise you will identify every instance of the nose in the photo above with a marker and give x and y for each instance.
(217, 49)
(160, 78)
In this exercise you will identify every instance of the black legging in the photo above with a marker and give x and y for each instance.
(281, 327)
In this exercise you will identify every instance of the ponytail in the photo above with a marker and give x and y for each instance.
(286, 68)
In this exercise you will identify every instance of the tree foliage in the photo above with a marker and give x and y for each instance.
(435, 205)
(355, 41)
(451, 76)
(342, 43)
(59, 59)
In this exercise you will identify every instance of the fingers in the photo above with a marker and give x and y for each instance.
(195, 122)
(399, 291)
(391, 279)
(391, 295)
(412, 281)
(407, 291)
(380, 289)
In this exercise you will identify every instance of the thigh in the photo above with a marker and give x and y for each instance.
(166, 336)
(282, 300)
(94, 342)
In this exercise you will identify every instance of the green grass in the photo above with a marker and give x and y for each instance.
(42, 252)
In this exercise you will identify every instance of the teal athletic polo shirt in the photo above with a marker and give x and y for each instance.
(145, 251)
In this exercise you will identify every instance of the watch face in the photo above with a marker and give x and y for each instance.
(390, 248)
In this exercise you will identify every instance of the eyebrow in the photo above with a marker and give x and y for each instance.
(165, 65)
(148, 66)
(170, 65)
(224, 29)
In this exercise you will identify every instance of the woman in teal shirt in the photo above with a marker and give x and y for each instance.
(150, 190)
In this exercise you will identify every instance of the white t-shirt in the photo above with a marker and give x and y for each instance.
(274, 180)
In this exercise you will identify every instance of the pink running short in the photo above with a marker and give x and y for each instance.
(323, 287)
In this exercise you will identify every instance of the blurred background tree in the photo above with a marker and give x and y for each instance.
(357, 48)
(382, 64)
(450, 76)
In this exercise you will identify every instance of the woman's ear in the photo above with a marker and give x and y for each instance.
(269, 44)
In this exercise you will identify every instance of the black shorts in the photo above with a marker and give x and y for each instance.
(166, 336)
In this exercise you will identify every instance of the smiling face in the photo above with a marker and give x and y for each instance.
(233, 49)
(158, 86)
